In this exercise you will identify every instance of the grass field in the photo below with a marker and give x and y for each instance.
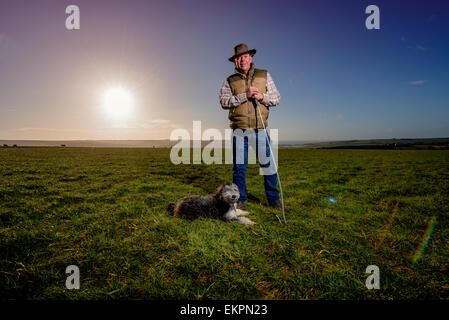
(104, 211)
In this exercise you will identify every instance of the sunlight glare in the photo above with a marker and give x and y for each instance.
(117, 103)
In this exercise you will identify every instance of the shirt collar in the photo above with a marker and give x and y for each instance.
(250, 71)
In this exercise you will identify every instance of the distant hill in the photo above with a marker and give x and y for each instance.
(425, 143)
(416, 143)
(92, 143)
(120, 143)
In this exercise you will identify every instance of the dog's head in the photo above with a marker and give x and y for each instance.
(229, 192)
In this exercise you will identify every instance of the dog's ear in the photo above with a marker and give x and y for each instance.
(220, 190)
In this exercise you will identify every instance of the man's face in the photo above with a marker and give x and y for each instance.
(243, 62)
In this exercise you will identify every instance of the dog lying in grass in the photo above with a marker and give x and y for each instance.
(221, 205)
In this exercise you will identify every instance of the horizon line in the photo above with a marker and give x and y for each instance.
(344, 139)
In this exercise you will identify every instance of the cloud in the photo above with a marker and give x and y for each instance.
(413, 46)
(150, 124)
(160, 121)
(154, 123)
(417, 82)
(420, 47)
(39, 129)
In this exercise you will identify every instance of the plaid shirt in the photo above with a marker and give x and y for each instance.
(227, 100)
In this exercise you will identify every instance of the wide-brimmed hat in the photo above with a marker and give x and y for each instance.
(241, 49)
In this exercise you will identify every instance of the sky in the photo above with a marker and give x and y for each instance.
(337, 79)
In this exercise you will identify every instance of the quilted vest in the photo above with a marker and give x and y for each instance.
(245, 115)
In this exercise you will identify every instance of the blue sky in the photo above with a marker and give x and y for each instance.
(337, 79)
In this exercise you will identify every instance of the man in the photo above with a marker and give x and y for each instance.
(238, 94)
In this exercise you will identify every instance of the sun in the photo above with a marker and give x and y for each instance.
(117, 103)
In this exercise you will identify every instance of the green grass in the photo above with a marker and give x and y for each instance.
(104, 211)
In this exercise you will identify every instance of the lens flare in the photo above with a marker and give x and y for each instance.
(425, 240)
(387, 227)
(331, 200)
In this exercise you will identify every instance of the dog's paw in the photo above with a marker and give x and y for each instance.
(242, 212)
(243, 220)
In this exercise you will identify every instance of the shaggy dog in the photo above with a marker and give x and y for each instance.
(221, 205)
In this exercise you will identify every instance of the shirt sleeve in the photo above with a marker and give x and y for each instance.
(227, 100)
(272, 97)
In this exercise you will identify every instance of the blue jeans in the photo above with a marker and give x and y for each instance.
(240, 162)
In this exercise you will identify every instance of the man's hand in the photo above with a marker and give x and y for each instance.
(253, 92)
(258, 96)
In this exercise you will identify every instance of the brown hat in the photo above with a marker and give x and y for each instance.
(241, 49)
